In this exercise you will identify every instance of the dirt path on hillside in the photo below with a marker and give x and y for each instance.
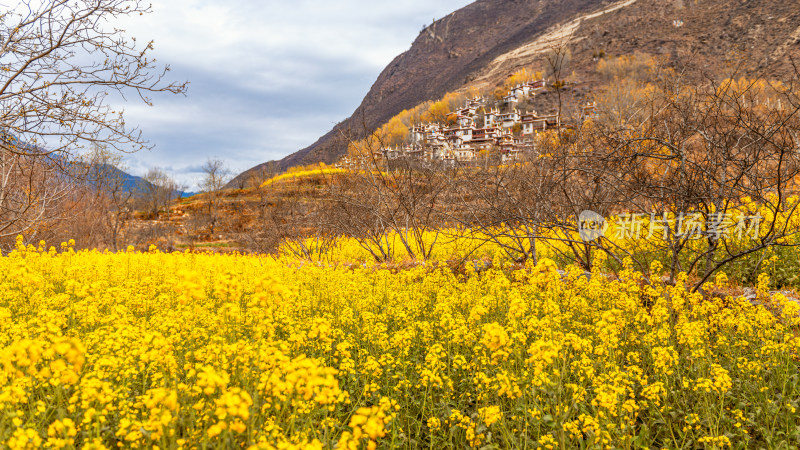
(554, 36)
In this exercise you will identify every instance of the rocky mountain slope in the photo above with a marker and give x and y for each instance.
(482, 43)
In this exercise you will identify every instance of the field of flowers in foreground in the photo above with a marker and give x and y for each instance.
(181, 350)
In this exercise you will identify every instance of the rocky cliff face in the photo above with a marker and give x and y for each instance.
(484, 42)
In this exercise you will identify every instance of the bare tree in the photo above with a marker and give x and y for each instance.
(288, 220)
(700, 162)
(63, 65)
(215, 177)
(111, 194)
(506, 204)
(557, 59)
(33, 190)
(156, 191)
(389, 201)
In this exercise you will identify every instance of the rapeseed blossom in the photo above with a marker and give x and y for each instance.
(194, 350)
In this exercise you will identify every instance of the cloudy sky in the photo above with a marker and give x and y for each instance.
(267, 77)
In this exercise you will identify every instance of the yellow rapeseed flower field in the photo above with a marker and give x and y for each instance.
(187, 350)
(315, 172)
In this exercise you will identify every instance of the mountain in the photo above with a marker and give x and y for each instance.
(484, 42)
(131, 183)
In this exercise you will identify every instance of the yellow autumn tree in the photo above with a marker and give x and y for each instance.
(626, 88)
(521, 76)
(756, 93)
(437, 112)
(395, 132)
(473, 92)
(637, 67)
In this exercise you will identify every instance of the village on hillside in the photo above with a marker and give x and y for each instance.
(497, 129)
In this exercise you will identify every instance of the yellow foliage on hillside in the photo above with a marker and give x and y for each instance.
(637, 66)
(299, 172)
(521, 76)
(754, 92)
(627, 86)
(397, 129)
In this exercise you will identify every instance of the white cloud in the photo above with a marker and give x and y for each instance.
(268, 78)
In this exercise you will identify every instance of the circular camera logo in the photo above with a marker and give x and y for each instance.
(591, 226)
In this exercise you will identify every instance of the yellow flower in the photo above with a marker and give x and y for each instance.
(170, 350)
(490, 414)
(715, 441)
(665, 359)
(495, 336)
(24, 438)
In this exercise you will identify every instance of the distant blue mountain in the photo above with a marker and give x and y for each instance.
(130, 182)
